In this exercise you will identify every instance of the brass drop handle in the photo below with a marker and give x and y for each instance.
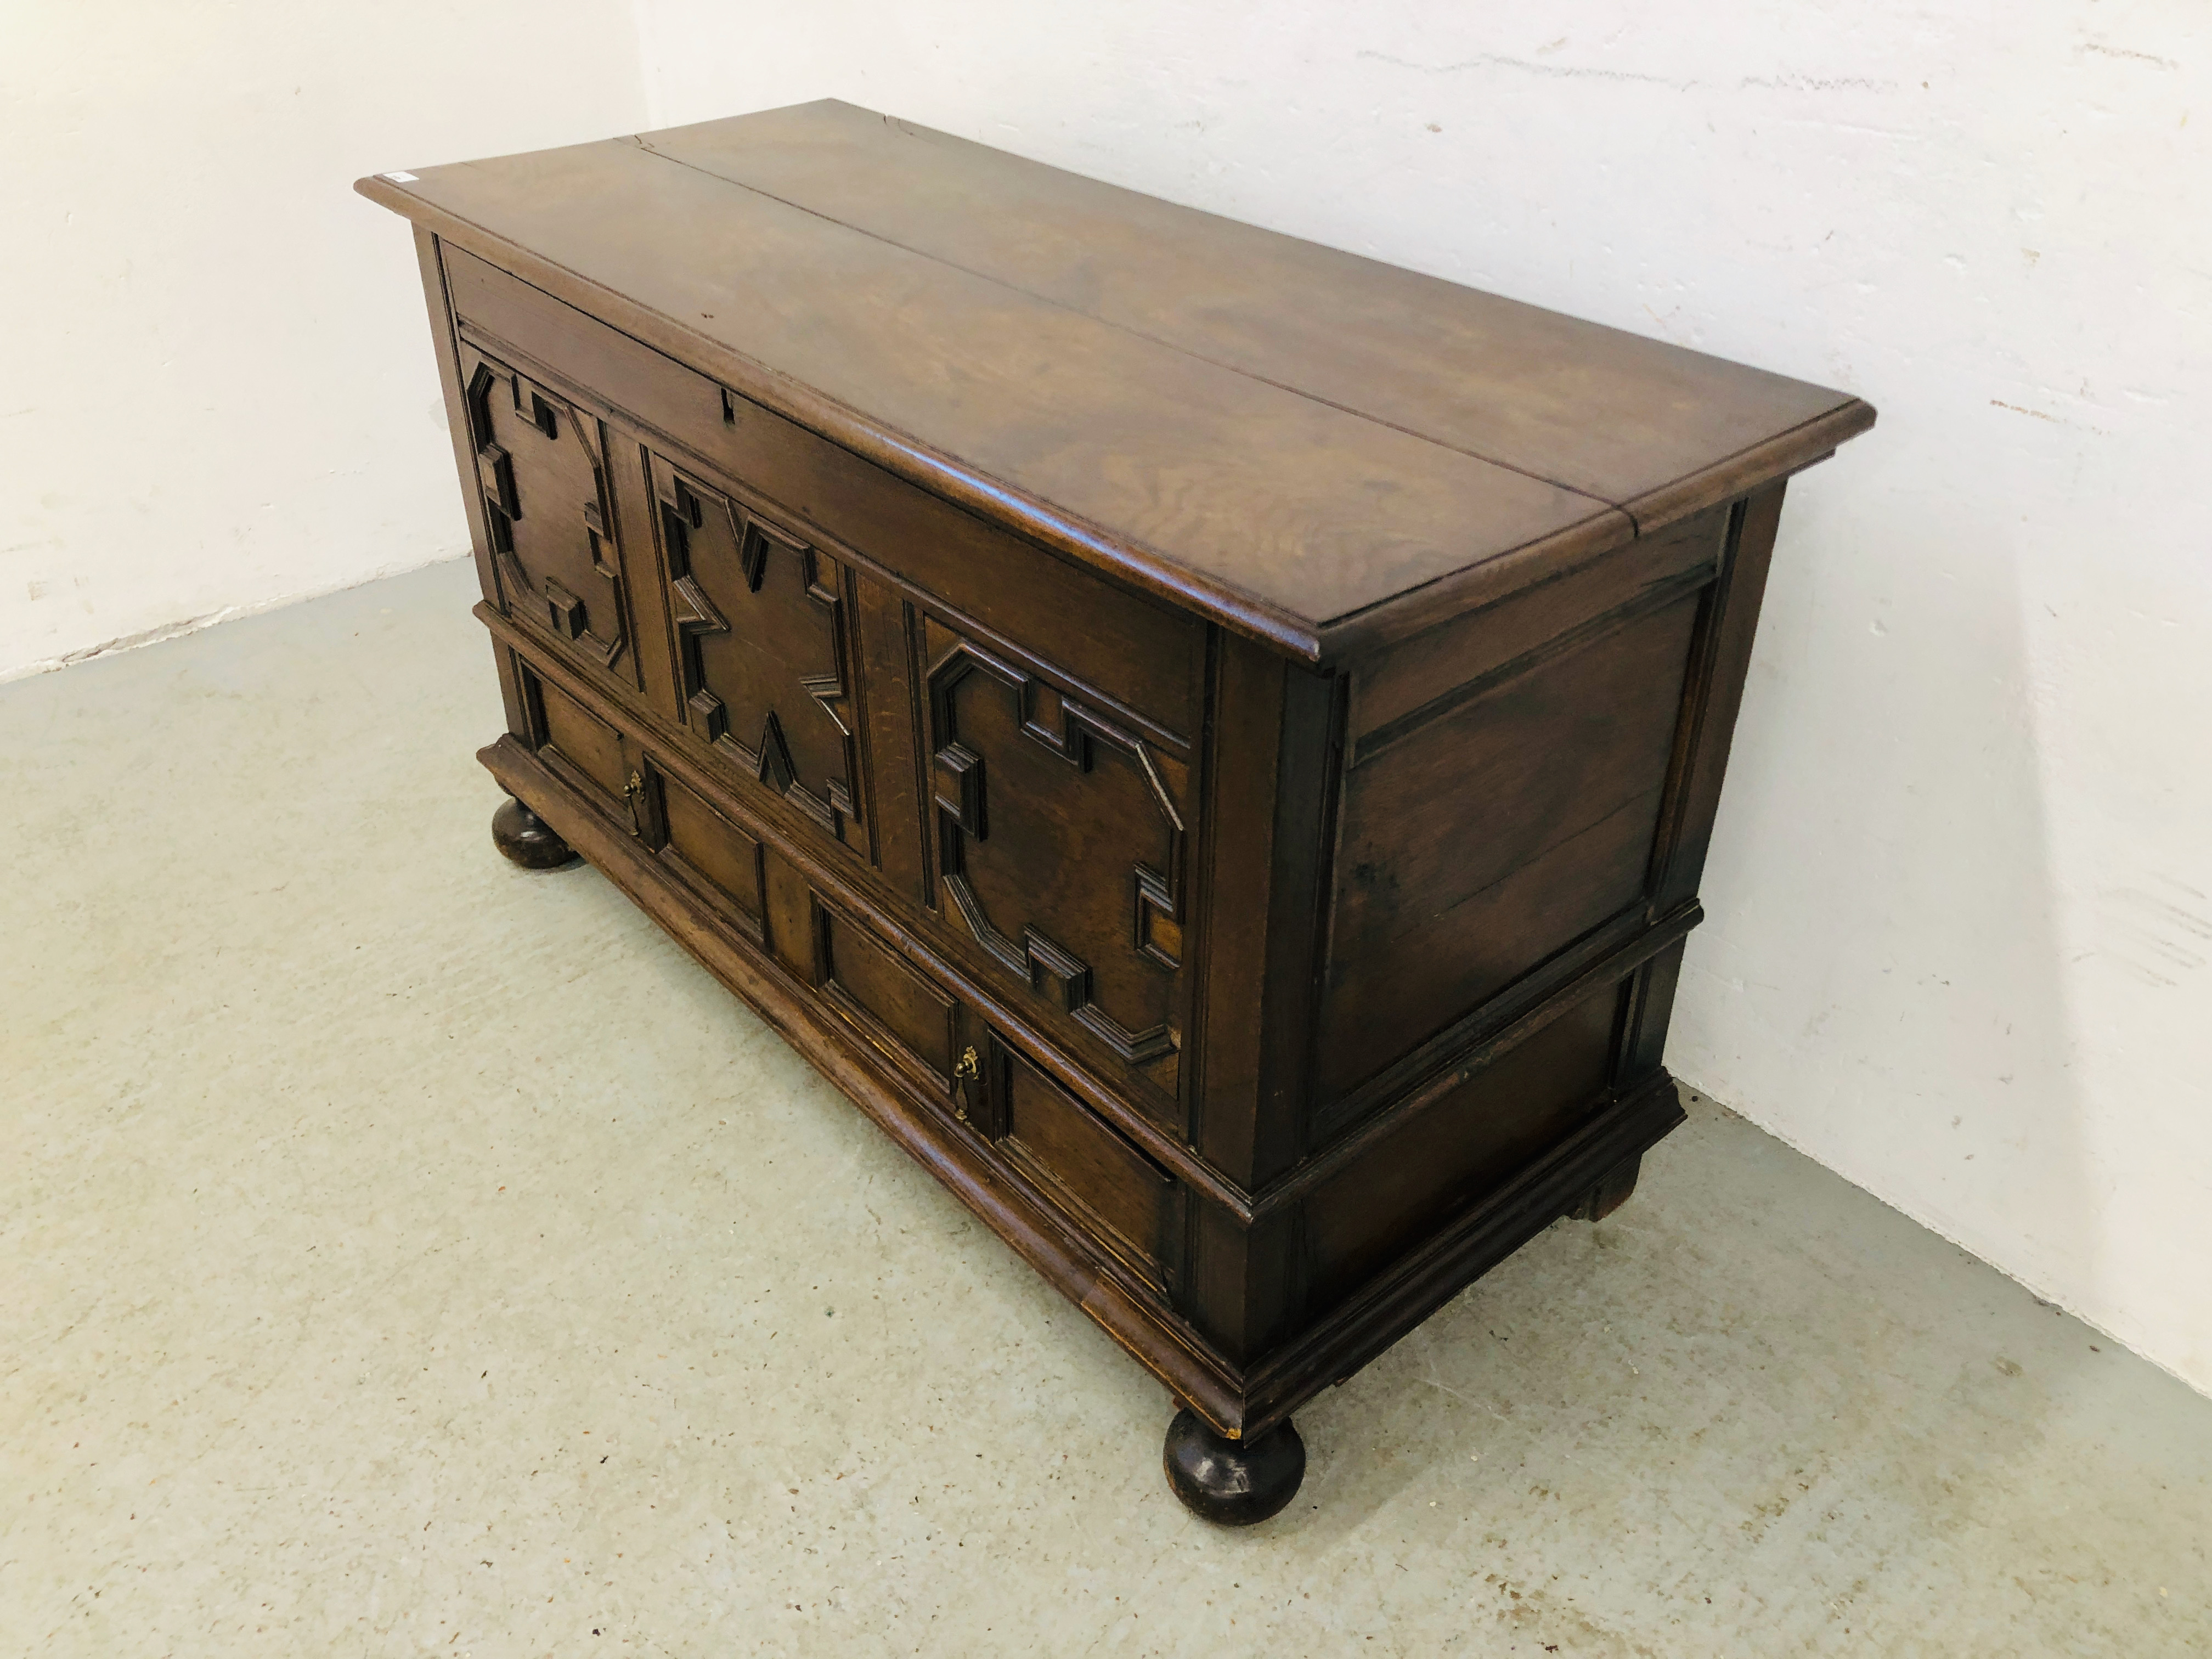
(968, 1073)
(633, 788)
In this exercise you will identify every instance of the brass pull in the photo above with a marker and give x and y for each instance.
(633, 788)
(968, 1072)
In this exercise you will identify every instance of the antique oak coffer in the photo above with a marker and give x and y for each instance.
(1209, 740)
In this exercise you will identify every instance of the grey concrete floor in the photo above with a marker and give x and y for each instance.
(404, 1253)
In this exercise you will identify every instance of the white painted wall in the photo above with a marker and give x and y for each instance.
(217, 392)
(1959, 890)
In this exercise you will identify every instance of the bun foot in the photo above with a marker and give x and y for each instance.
(527, 839)
(1233, 1483)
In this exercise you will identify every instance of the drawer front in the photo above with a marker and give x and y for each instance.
(582, 748)
(717, 858)
(894, 1006)
(898, 1011)
(541, 466)
(1085, 1168)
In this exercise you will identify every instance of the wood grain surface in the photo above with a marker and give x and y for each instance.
(1282, 436)
(1213, 742)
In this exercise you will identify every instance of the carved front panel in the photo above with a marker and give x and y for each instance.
(1060, 842)
(764, 652)
(541, 466)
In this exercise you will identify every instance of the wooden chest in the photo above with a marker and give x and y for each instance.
(1211, 741)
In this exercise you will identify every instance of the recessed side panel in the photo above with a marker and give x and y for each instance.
(1482, 842)
(1445, 1154)
(1415, 680)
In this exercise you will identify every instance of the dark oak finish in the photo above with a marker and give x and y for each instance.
(1610, 1193)
(1232, 1483)
(1209, 740)
(525, 839)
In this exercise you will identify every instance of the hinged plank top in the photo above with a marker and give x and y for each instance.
(1302, 443)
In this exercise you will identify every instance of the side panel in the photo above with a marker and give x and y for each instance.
(1435, 670)
(1234, 1063)
(1488, 838)
(1719, 668)
(1437, 1160)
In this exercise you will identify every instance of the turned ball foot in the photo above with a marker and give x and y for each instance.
(1234, 1483)
(527, 839)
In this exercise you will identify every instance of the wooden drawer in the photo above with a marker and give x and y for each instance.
(1112, 644)
(1113, 1192)
(1038, 1134)
(719, 858)
(581, 746)
(893, 1004)
(1083, 1166)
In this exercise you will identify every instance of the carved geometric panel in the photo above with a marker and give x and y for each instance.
(764, 649)
(541, 467)
(1061, 845)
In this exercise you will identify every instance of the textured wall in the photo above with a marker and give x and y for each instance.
(217, 392)
(1959, 890)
